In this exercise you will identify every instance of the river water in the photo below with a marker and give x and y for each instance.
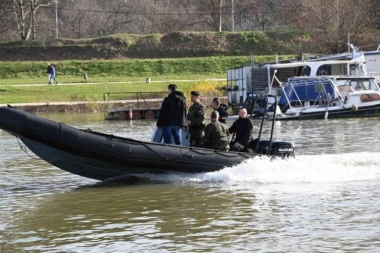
(327, 199)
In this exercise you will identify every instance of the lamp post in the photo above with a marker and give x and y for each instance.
(233, 15)
(220, 15)
(56, 19)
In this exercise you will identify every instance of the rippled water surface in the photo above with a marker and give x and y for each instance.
(327, 199)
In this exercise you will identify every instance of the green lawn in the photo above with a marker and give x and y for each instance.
(36, 90)
(26, 82)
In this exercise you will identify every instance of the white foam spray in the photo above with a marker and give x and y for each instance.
(305, 169)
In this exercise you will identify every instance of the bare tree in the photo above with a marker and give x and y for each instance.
(330, 22)
(252, 14)
(26, 16)
(263, 13)
(211, 14)
(7, 20)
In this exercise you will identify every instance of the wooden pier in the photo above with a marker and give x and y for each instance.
(132, 105)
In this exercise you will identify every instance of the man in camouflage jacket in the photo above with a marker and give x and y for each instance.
(196, 120)
(216, 135)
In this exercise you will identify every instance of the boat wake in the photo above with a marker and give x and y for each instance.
(304, 169)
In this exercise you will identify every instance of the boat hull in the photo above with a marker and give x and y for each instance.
(364, 111)
(101, 156)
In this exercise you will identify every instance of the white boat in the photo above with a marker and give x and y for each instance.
(329, 97)
(316, 88)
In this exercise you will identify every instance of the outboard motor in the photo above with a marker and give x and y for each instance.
(270, 147)
(278, 148)
(282, 149)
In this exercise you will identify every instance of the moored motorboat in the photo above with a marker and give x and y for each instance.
(328, 97)
(302, 86)
(102, 156)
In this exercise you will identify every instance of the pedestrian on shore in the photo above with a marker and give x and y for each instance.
(172, 115)
(216, 135)
(196, 120)
(51, 72)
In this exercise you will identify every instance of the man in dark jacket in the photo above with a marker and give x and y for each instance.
(243, 128)
(172, 115)
(221, 108)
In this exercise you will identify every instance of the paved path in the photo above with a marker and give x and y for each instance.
(158, 81)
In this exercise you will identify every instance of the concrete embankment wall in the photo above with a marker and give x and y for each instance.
(98, 106)
(77, 106)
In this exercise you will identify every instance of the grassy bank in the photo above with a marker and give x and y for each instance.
(148, 46)
(129, 68)
(25, 82)
(94, 91)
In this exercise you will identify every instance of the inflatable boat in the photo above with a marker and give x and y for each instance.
(103, 156)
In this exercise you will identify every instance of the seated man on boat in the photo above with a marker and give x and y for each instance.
(242, 128)
(216, 135)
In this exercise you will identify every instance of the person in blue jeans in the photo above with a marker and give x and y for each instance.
(172, 115)
(51, 74)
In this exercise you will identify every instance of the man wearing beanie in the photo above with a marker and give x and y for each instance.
(216, 134)
(243, 128)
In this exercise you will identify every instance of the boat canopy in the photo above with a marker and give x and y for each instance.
(313, 90)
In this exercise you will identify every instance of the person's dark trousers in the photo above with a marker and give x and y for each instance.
(168, 131)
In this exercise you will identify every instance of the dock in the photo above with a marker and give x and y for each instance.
(132, 105)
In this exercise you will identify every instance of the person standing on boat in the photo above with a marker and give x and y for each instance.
(172, 115)
(196, 120)
(221, 108)
(216, 135)
(242, 128)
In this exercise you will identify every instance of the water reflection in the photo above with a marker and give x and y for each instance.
(324, 199)
(188, 217)
(174, 216)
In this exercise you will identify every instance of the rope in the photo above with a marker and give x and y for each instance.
(190, 150)
(146, 146)
(23, 148)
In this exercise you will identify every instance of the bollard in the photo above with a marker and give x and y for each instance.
(130, 114)
(85, 77)
(147, 80)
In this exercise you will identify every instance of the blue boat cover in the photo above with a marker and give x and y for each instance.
(307, 89)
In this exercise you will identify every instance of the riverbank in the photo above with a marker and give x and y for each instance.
(98, 106)
(78, 106)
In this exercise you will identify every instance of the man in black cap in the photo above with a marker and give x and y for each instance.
(196, 120)
(221, 108)
(172, 115)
